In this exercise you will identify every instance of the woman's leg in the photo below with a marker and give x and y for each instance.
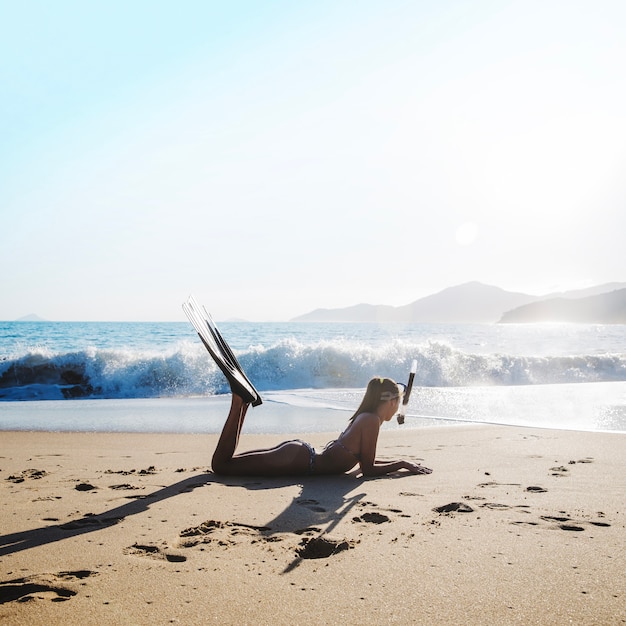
(288, 458)
(229, 438)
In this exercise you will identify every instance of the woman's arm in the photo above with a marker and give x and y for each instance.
(380, 468)
(394, 466)
(370, 466)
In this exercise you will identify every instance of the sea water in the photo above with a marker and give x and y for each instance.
(159, 377)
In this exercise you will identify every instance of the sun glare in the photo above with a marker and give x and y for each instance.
(466, 233)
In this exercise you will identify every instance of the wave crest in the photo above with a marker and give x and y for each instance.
(187, 370)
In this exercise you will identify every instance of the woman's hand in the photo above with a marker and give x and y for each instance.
(380, 468)
(414, 468)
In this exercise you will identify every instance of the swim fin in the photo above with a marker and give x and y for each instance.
(220, 351)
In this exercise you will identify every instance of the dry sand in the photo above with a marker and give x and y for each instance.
(134, 529)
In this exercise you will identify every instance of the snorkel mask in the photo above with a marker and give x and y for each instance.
(407, 393)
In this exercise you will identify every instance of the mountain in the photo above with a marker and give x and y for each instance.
(471, 302)
(356, 313)
(606, 308)
(31, 318)
(589, 291)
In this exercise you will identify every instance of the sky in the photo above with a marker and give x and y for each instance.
(276, 157)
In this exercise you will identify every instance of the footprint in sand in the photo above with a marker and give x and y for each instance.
(41, 587)
(493, 483)
(143, 472)
(366, 504)
(32, 474)
(561, 525)
(454, 507)
(321, 548)
(312, 505)
(220, 532)
(565, 523)
(90, 520)
(574, 527)
(536, 489)
(84, 487)
(372, 518)
(199, 534)
(154, 552)
(560, 470)
(502, 507)
(148, 471)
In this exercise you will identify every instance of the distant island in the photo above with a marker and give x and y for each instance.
(477, 303)
(606, 308)
(32, 317)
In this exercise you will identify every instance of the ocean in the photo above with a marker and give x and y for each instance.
(135, 376)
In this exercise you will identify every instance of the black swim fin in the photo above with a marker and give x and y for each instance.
(220, 351)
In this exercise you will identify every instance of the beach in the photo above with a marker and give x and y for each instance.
(514, 526)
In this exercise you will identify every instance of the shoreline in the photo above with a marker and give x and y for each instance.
(593, 407)
(109, 528)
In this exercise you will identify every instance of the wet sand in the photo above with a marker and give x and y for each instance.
(514, 526)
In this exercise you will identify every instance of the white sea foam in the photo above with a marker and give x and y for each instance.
(188, 371)
(484, 373)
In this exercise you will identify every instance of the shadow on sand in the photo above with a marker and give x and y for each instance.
(322, 503)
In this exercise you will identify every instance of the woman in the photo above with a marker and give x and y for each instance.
(357, 444)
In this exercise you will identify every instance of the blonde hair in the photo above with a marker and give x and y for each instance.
(379, 391)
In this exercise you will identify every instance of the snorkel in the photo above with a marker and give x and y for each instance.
(407, 393)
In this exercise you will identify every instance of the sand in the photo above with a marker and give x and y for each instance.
(514, 526)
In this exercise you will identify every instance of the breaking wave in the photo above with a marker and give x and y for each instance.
(186, 369)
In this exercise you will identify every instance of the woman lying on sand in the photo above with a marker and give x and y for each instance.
(356, 444)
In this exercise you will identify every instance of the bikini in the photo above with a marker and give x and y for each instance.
(338, 443)
(313, 453)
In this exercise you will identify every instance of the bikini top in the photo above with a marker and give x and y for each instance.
(338, 443)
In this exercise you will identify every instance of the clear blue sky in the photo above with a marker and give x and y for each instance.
(275, 157)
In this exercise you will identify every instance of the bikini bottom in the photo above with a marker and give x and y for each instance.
(312, 454)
